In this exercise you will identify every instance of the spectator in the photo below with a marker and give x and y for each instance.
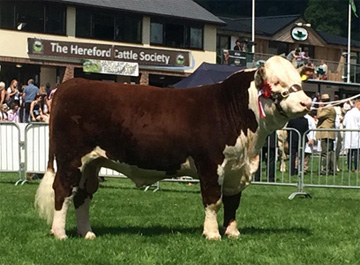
(237, 46)
(47, 89)
(326, 120)
(347, 106)
(315, 99)
(36, 109)
(339, 135)
(352, 139)
(307, 72)
(322, 70)
(29, 94)
(303, 58)
(22, 105)
(13, 94)
(2, 93)
(301, 125)
(293, 56)
(3, 112)
(13, 113)
(49, 99)
(311, 117)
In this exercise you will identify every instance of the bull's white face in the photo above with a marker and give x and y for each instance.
(285, 81)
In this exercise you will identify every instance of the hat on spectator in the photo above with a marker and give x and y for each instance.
(2, 84)
(325, 97)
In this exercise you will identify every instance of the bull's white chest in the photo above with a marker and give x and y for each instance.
(238, 166)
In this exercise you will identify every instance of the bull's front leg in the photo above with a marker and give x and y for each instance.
(231, 204)
(211, 196)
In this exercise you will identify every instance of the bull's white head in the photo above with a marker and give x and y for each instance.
(280, 91)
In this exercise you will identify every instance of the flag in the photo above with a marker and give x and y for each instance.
(353, 7)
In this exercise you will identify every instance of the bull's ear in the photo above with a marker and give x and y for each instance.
(259, 77)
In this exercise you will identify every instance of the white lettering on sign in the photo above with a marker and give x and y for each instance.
(142, 56)
(56, 47)
(94, 51)
(154, 57)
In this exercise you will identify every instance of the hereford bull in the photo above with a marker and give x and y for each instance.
(213, 133)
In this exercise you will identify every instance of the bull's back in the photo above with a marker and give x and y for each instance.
(148, 126)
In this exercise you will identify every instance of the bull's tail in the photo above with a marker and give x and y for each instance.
(45, 195)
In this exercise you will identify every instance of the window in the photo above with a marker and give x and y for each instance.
(33, 17)
(176, 35)
(7, 15)
(196, 38)
(276, 47)
(103, 26)
(128, 29)
(156, 36)
(91, 23)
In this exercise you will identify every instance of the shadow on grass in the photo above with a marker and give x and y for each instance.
(106, 186)
(161, 230)
(144, 231)
(272, 230)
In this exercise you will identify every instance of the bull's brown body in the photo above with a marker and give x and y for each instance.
(134, 128)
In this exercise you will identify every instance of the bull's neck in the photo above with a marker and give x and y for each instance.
(266, 125)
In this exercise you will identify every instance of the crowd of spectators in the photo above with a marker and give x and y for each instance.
(27, 103)
(329, 143)
(301, 60)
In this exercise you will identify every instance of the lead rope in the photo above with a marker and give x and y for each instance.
(333, 103)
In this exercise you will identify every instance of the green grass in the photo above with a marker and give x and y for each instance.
(137, 227)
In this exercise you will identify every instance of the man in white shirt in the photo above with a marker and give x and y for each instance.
(352, 139)
(309, 146)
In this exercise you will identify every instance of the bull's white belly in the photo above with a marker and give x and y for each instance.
(141, 177)
(234, 173)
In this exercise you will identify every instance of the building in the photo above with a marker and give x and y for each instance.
(282, 34)
(145, 42)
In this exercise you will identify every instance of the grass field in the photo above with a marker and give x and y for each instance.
(137, 227)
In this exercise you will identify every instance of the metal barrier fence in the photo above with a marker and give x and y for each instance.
(10, 148)
(24, 149)
(332, 167)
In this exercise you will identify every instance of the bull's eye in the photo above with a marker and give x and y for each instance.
(295, 88)
(285, 93)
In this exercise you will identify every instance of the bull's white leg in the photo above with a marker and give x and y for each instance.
(59, 220)
(232, 230)
(211, 227)
(83, 221)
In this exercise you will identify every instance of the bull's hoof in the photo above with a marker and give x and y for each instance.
(212, 236)
(283, 168)
(232, 231)
(90, 236)
(58, 235)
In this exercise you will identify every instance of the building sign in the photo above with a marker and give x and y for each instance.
(140, 55)
(110, 67)
(234, 57)
(299, 33)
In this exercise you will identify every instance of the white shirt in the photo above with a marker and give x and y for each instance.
(352, 121)
(311, 134)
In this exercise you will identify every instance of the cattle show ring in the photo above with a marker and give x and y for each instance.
(204, 145)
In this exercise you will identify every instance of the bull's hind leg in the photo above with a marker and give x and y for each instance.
(88, 186)
(82, 204)
(231, 204)
(63, 196)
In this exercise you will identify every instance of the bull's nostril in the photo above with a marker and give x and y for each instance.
(307, 105)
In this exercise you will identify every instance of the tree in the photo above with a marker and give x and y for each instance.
(331, 17)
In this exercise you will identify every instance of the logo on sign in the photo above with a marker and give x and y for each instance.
(299, 33)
